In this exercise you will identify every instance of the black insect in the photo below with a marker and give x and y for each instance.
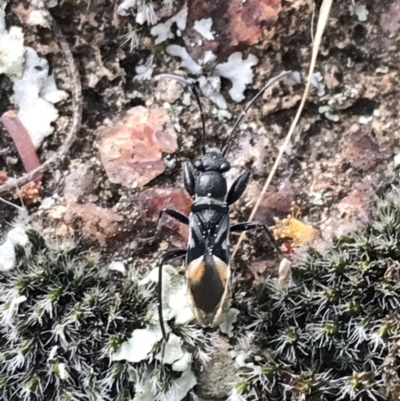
(207, 257)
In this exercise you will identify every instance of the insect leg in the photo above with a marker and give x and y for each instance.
(175, 214)
(170, 212)
(188, 178)
(238, 187)
(167, 257)
(251, 225)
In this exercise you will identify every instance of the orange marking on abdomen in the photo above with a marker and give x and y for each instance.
(196, 270)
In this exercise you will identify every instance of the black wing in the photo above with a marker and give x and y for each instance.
(207, 263)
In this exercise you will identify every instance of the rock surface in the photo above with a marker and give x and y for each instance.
(131, 150)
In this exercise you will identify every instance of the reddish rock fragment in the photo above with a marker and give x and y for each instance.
(79, 183)
(361, 152)
(155, 199)
(3, 177)
(98, 223)
(30, 193)
(275, 202)
(356, 203)
(247, 17)
(235, 23)
(131, 151)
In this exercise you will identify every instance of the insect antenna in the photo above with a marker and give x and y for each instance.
(192, 83)
(203, 119)
(246, 109)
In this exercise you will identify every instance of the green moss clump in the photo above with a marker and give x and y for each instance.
(62, 316)
(333, 331)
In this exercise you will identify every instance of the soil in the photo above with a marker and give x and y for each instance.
(333, 169)
(319, 167)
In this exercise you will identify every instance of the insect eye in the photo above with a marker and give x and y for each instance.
(199, 165)
(225, 166)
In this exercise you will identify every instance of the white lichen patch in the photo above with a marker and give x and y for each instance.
(211, 88)
(16, 236)
(209, 57)
(118, 266)
(181, 387)
(126, 7)
(12, 51)
(365, 120)
(175, 354)
(239, 72)
(183, 363)
(328, 112)
(317, 82)
(34, 94)
(222, 114)
(144, 11)
(397, 159)
(163, 31)
(339, 98)
(360, 10)
(39, 14)
(139, 346)
(145, 71)
(383, 69)
(145, 390)
(203, 27)
(186, 60)
(175, 301)
(317, 197)
(295, 77)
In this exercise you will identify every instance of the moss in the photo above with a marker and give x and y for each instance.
(62, 318)
(334, 323)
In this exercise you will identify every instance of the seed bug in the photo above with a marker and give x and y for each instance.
(207, 256)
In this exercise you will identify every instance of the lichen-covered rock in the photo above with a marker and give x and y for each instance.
(222, 26)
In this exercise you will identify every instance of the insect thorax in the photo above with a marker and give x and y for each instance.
(211, 184)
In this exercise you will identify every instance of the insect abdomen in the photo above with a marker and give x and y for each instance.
(208, 278)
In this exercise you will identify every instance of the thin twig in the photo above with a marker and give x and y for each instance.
(75, 123)
(322, 20)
